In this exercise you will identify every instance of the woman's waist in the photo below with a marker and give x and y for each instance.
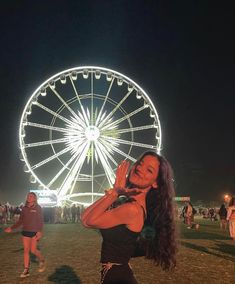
(120, 259)
(31, 227)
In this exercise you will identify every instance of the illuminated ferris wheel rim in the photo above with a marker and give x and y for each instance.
(67, 73)
(93, 69)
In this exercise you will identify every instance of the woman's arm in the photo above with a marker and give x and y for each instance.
(88, 210)
(101, 204)
(130, 214)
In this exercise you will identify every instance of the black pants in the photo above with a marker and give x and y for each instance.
(118, 274)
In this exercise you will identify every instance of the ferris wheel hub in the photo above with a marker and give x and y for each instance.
(92, 133)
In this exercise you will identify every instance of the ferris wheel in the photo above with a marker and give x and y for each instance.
(79, 124)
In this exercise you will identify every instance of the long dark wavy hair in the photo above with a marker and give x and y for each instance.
(158, 237)
(232, 201)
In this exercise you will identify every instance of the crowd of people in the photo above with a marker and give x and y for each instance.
(59, 214)
(225, 215)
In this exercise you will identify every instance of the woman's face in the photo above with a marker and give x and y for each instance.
(31, 198)
(144, 173)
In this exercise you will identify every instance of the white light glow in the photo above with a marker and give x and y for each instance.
(92, 133)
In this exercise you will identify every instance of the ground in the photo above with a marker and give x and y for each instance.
(72, 252)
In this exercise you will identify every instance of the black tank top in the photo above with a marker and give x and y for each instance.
(118, 244)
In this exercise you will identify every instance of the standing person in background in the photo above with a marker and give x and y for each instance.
(188, 214)
(73, 210)
(145, 217)
(231, 217)
(31, 220)
(78, 213)
(223, 215)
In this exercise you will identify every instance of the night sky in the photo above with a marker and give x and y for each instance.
(181, 53)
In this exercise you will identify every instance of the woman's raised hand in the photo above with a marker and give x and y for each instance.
(121, 175)
(120, 181)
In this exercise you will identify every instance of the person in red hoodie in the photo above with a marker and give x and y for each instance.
(31, 221)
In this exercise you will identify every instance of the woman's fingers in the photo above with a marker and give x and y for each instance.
(121, 173)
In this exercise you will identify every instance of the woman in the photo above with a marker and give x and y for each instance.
(141, 225)
(231, 217)
(31, 220)
(188, 215)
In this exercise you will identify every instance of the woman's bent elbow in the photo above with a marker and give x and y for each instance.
(87, 223)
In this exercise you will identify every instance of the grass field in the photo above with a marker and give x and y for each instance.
(72, 252)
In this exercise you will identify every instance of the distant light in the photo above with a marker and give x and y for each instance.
(182, 198)
(227, 197)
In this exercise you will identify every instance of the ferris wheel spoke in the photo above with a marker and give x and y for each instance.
(105, 100)
(74, 171)
(101, 185)
(48, 142)
(104, 161)
(106, 148)
(131, 143)
(68, 180)
(76, 123)
(53, 113)
(77, 172)
(139, 128)
(80, 103)
(115, 109)
(62, 169)
(116, 122)
(51, 158)
(44, 126)
(117, 150)
(92, 99)
(63, 101)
